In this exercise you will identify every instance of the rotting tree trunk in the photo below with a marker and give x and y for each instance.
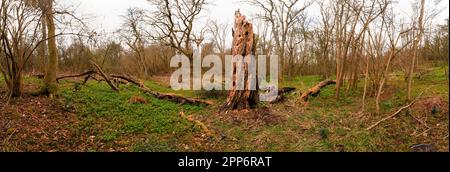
(314, 91)
(244, 45)
(50, 84)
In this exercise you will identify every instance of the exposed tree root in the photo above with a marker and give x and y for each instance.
(314, 91)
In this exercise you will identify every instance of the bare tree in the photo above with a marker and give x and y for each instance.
(298, 47)
(282, 16)
(219, 33)
(265, 42)
(350, 28)
(173, 23)
(19, 38)
(133, 34)
(417, 40)
(42, 50)
(394, 34)
(324, 40)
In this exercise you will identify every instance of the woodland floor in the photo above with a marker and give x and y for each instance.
(94, 118)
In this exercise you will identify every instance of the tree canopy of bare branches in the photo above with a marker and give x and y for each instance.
(282, 16)
(19, 38)
(173, 23)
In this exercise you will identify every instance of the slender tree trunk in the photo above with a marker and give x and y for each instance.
(416, 45)
(366, 78)
(338, 56)
(42, 50)
(383, 80)
(50, 84)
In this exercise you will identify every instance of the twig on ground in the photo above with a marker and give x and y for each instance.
(396, 113)
(421, 134)
(423, 123)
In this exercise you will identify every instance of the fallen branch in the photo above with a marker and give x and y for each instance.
(199, 123)
(314, 91)
(87, 73)
(163, 96)
(129, 79)
(125, 79)
(391, 116)
(105, 76)
(396, 113)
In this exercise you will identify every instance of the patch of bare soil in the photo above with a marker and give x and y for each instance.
(39, 124)
(34, 124)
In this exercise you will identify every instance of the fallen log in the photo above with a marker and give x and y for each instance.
(87, 74)
(125, 79)
(162, 96)
(282, 94)
(129, 79)
(314, 91)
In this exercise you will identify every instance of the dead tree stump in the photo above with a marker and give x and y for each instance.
(244, 47)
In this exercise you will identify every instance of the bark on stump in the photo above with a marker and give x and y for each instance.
(244, 45)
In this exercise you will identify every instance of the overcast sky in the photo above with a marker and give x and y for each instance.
(105, 15)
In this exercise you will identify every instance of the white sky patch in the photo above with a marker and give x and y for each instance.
(106, 15)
